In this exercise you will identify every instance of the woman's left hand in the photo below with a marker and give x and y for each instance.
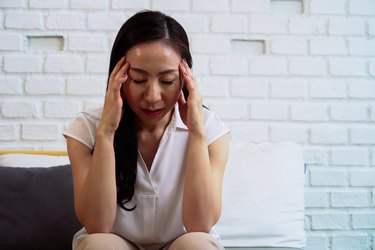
(191, 110)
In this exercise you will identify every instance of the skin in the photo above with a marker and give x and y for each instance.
(149, 78)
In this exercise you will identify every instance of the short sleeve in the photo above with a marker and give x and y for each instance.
(215, 128)
(83, 127)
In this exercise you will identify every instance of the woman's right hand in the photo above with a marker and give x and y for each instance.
(113, 103)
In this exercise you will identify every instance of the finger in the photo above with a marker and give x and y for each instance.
(188, 77)
(181, 99)
(118, 65)
(120, 77)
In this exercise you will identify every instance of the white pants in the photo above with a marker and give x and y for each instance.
(188, 241)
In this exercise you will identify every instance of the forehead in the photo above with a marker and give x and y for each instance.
(152, 52)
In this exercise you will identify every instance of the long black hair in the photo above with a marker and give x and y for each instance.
(142, 27)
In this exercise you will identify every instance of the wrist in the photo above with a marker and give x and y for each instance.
(198, 134)
(102, 133)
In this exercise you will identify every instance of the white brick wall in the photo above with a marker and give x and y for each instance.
(302, 71)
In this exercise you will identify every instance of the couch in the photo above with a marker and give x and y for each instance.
(263, 199)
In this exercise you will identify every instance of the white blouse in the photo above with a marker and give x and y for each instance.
(157, 218)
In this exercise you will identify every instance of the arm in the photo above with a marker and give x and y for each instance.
(94, 179)
(205, 165)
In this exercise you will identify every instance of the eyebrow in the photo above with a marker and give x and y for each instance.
(164, 72)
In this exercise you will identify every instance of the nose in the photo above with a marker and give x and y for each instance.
(152, 93)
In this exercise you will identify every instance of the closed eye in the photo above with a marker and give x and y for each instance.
(168, 82)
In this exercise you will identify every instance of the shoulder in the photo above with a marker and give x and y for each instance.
(84, 125)
(214, 126)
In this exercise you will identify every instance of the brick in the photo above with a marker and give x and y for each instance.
(203, 44)
(288, 88)
(229, 24)
(225, 65)
(316, 199)
(325, 177)
(61, 109)
(201, 65)
(45, 43)
(47, 4)
(194, 23)
(10, 42)
(362, 135)
(248, 47)
(362, 178)
(351, 242)
(288, 133)
(364, 221)
(268, 66)
(251, 6)
(307, 67)
(361, 7)
(64, 21)
(63, 64)
(317, 243)
(371, 27)
(12, 3)
(372, 68)
(87, 43)
(131, 4)
(92, 104)
(86, 86)
(182, 5)
(349, 199)
(37, 132)
(328, 46)
(316, 156)
(10, 86)
(347, 67)
(346, 26)
(372, 114)
(22, 64)
(19, 109)
(330, 221)
(328, 7)
(309, 112)
(287, 8)
(328, 89)
(230, 110)
(348, 112)
(307, 25)
(44, 86)
(23, 20)
(289, 46)
(266, 24)
(348, 157)
(213, 87)
(362, 89)
(97, 63)
(269, 111)
(329, 135)
(248, 132)
(361, 47)
(249, 88)
(8, 132)
(103, 21)
(210, 5)
(89, 4)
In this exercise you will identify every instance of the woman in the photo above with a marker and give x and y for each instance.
(148, 166)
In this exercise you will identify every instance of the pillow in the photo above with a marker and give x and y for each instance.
(263, 196)
(36, 208)
(32, 160)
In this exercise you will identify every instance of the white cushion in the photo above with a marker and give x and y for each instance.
(32, 160)
(263, 196)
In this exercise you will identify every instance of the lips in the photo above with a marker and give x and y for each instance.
(152, 112)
